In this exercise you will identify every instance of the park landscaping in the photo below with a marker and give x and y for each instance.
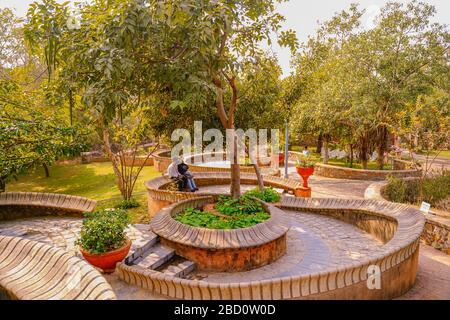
(127, 82)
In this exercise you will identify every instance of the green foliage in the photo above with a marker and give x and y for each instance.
(236, 213)
(268, 195)
(103, 231)
(305, 162)
(430, 189)
(128, 204)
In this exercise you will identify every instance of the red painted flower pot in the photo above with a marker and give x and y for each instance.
(305, 173)
(281, 158)
(107, 261)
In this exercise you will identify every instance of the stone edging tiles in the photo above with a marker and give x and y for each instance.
(397, 261)
(164, 225)
(437, 228)
(14, 205)
(31, 270)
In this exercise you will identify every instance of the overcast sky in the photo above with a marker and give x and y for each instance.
(301, 15)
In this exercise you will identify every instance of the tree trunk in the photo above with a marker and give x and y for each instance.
(319, 144)
(112, 158)
(2, 185)
(363, 154)
(351, 155)
(326, 155)
(381, 146)
(46, 170)
(71, 107)
(235, 187)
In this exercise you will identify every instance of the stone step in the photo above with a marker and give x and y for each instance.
(141, 245)
(180, 270)
(155, 257)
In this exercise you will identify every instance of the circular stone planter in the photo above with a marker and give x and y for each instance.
(222, 250)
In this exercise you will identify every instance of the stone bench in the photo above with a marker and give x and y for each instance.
(31, 270)
(159, 197)
(15, 205)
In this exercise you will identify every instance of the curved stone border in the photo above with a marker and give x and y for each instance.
(329, 171)
(161, 160)
(159, 197)
(437, 228)
(14, 205)
(222, 250)
(31, 270)
(138, 161)
(397, 261)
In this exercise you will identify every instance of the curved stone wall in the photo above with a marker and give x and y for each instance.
(32, 270)
(161, 160)
(399, 227)
(337, 172)
(15, 205)
(222, 250)
(159, 197)
(437, 228)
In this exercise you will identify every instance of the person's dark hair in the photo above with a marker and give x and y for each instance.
(306, 147)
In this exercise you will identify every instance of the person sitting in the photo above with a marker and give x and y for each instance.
(188, 178)
(173, 174)
(306, 152)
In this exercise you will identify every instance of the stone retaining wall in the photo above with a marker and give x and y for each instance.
(437, 229)
(337, 172)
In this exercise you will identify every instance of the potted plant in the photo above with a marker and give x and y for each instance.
(305, 168)
(103, 241)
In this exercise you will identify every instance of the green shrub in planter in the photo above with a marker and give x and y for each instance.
(104, 231)
(269, 195)
(128, 204)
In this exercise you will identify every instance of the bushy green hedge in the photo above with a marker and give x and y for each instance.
(434, 190)
(268, 195)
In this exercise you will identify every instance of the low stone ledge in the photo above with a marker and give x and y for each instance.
(397, 261)
(329, 171)
(437, 229)
(14, 205)
(32, 270)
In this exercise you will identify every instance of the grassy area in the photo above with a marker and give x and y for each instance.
(442, 154)
(95, 181)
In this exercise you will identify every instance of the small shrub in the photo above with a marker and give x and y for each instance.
(103, 231)
(435, 190)
(268, 195)
(128, 204)
(305, 162)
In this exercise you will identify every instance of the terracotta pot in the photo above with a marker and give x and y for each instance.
(281, 158)
(208, 207)
(107, 261)
(305, 173)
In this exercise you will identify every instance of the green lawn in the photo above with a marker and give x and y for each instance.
(441, 154)
(95, 181)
